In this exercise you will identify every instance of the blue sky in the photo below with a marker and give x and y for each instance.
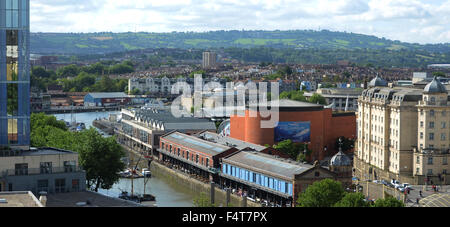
(405, 20)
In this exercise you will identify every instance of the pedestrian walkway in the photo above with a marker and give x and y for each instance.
(428, 197)
(436, 200)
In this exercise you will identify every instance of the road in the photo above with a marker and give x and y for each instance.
(415, 193)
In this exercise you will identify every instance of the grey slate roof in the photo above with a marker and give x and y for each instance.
(173, 123)
(228, 141)
(340, 159)
(268, 164)
(435, 87)
(105, 95)
(194, 143)
(378, 82)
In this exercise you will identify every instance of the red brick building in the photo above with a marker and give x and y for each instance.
(325, 127)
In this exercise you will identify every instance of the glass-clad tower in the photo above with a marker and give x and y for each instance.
(14, 73)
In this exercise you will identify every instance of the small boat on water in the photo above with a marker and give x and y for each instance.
(130, 174)
(146, 172)
(137, 198)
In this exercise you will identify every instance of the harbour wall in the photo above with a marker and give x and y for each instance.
(197, 186)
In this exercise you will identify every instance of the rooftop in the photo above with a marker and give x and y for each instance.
(435, 87)
(228, 141)
(195, 143)
(34, 152)
(19, 199)
(174, 123)
(108, 95)
(287, 103)
(95, 200)
(268, 164)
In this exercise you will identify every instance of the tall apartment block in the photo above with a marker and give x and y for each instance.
(14, 73)
(209, 59)
(403, 133)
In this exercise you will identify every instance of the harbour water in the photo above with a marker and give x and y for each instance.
(167, 194)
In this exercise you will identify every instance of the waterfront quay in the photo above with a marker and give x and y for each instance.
(79, 109)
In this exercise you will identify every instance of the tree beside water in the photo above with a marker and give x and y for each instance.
(100, 157)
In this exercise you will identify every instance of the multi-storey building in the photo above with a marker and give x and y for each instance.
(149, 85)
(209, 59)
(14, 73)
(23, 168)
(403, 133)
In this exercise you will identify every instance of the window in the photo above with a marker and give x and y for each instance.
(444, 160)
(431, 124)
(421, 135)
(75, 185)
(60, 185)
(432, 113)
(196, 158)
(417, 170)
(178, 151)
(443, 136)
(42, 185)
(207, 162)
(69, 166)
(21, 169)
(443, 124)
(187, 155)
(421, 124)
(430, 160)
(418, 160)
(444, 171)
(431, 136)
(444, 113)
(317, 174)
(46, 167)
(430, 172)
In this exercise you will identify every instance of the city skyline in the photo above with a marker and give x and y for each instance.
(408, 21)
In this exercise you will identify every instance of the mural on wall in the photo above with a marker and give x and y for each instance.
(298, 132)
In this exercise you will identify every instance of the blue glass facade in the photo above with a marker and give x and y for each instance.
(14, 73)
(257, 178)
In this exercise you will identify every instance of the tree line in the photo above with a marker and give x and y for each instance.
(92, 78)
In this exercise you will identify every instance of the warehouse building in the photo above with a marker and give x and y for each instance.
(106, 99)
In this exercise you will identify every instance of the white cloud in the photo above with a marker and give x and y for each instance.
(424, 21)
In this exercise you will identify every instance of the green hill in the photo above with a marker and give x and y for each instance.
(106, 42)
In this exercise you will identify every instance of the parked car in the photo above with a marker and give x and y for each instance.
(384, 182)
(406, 185)
(396, 183)
(400, 188)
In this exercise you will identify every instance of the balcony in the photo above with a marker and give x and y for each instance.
(41, 171)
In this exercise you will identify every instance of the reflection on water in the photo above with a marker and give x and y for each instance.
(167, 194)
(85, 118)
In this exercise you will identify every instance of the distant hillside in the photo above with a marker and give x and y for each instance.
(99, 43)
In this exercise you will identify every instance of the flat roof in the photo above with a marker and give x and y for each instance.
(267, 164)
(34, 152)
(19, 199)
(194, 143)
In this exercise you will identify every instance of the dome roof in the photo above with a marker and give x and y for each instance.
(378, 82)
(435, 87)
(340, 159)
